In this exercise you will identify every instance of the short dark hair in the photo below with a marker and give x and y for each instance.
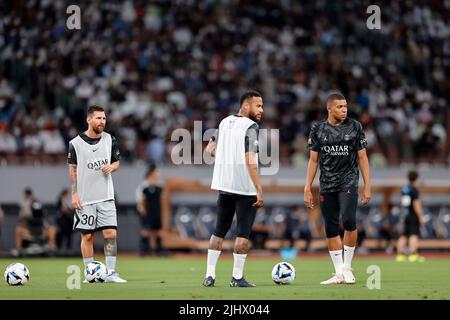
(94, 108)
(248, 95)
(28, 191)
(412, 176)
(335, 96)
(151, 168)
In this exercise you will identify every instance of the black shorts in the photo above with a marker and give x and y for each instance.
(411, 226)
(336, 204)
(228, 204)
(151, 221)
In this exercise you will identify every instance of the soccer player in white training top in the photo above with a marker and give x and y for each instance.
(236, 177)
(93, 156)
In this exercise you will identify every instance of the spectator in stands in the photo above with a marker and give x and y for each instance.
(8, 144)
(388, 233)
(196, 70)
(34, 229)
(64, 221)
(297, 227)
(25, 204)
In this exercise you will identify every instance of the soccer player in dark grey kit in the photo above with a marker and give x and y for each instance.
(338, 145)
(93, 156)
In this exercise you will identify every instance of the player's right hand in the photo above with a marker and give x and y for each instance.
(259, 200)
(308, 199)
(76, 202)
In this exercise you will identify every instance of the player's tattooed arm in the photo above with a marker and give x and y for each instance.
(252, 166)
(110, 168)
(76, 203)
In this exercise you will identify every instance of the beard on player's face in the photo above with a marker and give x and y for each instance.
(98, 128)
(254, 117)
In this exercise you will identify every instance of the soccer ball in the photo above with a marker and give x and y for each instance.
(16, 274)
(283, 273)
(95, 272)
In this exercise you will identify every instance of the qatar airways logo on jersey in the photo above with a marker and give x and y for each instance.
(97, 164)
(335, 150)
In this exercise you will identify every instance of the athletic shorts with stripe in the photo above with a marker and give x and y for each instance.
(96, 216)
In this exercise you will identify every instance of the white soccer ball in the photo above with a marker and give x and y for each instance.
(283, 273)
(95, 272)
(17, 274)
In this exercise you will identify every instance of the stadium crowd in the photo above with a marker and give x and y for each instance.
(160, 65)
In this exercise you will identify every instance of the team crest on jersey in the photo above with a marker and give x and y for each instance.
(346, 137)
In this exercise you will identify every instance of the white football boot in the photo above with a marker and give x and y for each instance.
(114, 277)
(335, 279)
(349, 278)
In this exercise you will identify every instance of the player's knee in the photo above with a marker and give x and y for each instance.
(241, 245)
(109, 233)
(215, 242)
(87, 237)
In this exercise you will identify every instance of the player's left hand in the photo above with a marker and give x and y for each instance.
(259, 199)
(366, 195)
(107, 169)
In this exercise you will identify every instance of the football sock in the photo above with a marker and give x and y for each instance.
(88, 260)
(336, 257)
(348, 256)
(110, 263)
(238, 267)
(213, 256)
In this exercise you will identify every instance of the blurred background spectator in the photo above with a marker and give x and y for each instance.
(297, 227)
(34, 235)
(260, 230)
(160, 65)
(64, 222)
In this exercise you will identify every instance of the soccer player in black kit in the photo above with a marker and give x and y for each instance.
(414, 219)
(337, 145)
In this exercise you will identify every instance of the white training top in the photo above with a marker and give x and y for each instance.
(92, 184)
(230, 169)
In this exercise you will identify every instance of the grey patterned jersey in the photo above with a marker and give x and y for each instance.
(338, 148)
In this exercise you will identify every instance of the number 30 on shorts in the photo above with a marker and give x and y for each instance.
(89, 220)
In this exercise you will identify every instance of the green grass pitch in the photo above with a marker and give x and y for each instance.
(180, 278)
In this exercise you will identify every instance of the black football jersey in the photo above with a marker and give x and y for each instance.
(338, 148)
